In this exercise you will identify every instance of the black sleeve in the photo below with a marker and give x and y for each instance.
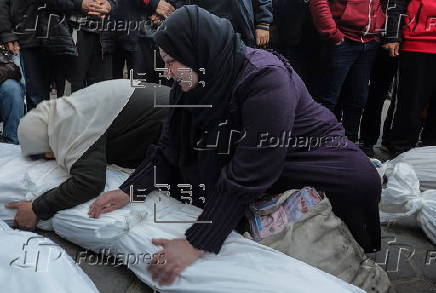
(252, 168)
(88, 179)
(64, 6)
(72, 6)
(159, 167)
(6, 34)
(395, 19)
(263, 16)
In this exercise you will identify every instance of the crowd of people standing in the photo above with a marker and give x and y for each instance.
(352, 55)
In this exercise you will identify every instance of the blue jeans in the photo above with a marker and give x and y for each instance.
(11, 107)
(348, 69)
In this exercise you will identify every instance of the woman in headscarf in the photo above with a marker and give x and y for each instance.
(107, 123)
(243, 127)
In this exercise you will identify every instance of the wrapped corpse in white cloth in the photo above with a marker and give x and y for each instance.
(410, 188)
(241, 266)
(31, 263)
(423, 161)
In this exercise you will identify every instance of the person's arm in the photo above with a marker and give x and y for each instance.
(88, 179)
(253, 168)
(263, 16)
(262, 19)
(159, 7)
(6, 34)
(324, 22)
(161, 156)
(100, 7)
(395, 19)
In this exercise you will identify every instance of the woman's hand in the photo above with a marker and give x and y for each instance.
(108, 202)
(178, 254)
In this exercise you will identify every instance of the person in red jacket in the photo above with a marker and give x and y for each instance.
(352, 32)
(417, 87)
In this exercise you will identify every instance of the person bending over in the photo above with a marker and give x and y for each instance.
(107, 123)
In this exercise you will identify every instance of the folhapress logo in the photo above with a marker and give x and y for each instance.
(430, 24)
(37, 254)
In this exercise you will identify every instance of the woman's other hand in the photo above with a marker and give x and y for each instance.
(177, 255)
(108, 202)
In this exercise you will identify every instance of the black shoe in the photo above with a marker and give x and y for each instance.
(391, 152)
(367, 149)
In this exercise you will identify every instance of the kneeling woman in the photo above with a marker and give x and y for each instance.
(250, 129)
(106, 123)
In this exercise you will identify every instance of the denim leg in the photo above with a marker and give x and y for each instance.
(11, 108)
(339, 59)
(355, 101)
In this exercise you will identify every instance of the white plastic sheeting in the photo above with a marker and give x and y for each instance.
(423, 161)
(241, 266)
(30, 263)
(403, 189)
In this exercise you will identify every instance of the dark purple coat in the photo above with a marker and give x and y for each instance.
(274, 138)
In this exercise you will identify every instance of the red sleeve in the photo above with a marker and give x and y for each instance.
(146, 2)
(323, 20)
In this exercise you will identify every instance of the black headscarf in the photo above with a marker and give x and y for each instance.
(198, 39)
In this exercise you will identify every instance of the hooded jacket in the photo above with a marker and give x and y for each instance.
(419, 30)
(40, 23)
(360, 21)
(245, 15)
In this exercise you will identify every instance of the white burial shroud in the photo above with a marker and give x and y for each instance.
(241, 266)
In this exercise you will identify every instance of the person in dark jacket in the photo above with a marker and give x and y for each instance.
(95, 47)
(38, 30)
(117, 124)
(383, 79)
(250, 18)
(352, 33)
(245, 129)
(130, 13)
(134, 15)
(301, 45)
(416, 87)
